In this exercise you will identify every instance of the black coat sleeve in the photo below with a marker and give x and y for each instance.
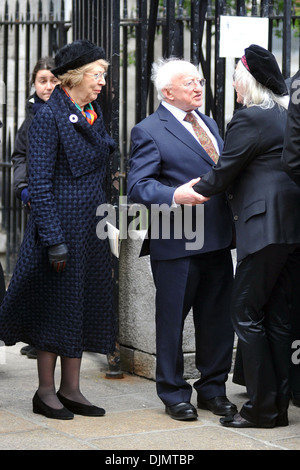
(20, 157)
(240, 147)
(291, 150)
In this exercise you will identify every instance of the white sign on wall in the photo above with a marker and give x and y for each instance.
(239, 32)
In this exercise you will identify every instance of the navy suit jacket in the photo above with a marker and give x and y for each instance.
(164, 155)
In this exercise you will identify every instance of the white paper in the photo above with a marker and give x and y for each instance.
(114, 239)
(239, 32)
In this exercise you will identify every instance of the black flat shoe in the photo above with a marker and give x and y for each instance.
(218, 405)
(183, 411)
(24, 350)
(237, 421)
(41, 408)
(32, 353)
(80, 408)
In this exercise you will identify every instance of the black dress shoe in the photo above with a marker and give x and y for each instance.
(218, 405)
(29, 351)
(24, 350)
(41, 408)
(237, 421)
(32, 353)
(80, 408)
(183, 411)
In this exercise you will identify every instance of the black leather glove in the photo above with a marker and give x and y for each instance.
(58, 255)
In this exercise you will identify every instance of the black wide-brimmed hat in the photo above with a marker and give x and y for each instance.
(263, 66)
(75, 55)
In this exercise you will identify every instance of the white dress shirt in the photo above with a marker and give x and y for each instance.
(179, 114)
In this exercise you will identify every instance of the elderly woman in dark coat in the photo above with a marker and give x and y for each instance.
(60, 296)
(266, 212)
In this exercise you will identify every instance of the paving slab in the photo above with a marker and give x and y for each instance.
(135, 422)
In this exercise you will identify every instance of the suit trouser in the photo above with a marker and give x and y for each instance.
(261, 318)
(202, 282)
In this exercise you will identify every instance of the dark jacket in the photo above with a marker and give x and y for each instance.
(291, 149)
(265, 202)
(20, 154)
(69, 312)
(164, 156)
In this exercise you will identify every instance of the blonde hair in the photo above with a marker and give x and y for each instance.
(74, 77)
(254, 93)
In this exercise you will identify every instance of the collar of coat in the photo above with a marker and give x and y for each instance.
(86, 146)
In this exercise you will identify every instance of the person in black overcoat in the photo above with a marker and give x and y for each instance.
(291, 164)
(44, 82)
(265, 204)
(60, 296)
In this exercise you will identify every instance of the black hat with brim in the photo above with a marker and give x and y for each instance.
(78, 53)
(263, 66)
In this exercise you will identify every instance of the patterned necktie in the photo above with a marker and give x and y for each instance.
(203, 137)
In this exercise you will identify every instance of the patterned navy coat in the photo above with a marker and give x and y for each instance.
(72, 311)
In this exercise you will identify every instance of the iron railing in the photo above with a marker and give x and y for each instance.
(134, 33)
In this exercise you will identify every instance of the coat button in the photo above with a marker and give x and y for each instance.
(236, 217)
(230, 196)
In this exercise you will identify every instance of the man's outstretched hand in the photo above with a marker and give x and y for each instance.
(185, 194)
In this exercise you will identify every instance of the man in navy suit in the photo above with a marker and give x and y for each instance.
(166, 153)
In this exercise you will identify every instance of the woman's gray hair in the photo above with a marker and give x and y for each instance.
(255, 94)
(74, 77)
(164, 71)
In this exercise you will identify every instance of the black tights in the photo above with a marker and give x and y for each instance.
(69, 383)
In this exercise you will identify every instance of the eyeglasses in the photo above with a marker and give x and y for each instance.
(193, 83)
(97, 75)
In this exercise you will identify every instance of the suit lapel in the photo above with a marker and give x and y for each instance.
(173, 126)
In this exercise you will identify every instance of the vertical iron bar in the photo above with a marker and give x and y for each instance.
(195, 29)
(27, 53)
(206, 11)
(39, 29)
(124, 146)
(151, 37)
(179, 31)
(4, 115)
(287, 39)
(141, 60)
(170, 25)
(219, 72)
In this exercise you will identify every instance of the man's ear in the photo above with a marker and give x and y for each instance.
(167, 92)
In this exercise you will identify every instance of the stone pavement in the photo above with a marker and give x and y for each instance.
(135, 418)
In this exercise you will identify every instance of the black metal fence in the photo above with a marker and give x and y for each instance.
(133, 33)
(136, 32)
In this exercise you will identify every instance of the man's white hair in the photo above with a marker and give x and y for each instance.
(164, 71)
